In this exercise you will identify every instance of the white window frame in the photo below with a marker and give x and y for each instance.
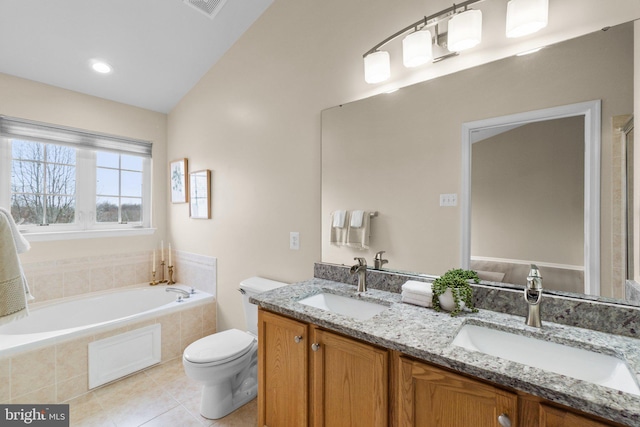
(85, 225)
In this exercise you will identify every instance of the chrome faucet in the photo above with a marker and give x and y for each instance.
(361, 269)
(378, 262)
(533, 296)
(183, 293)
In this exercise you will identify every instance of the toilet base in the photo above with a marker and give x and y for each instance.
(217, 400)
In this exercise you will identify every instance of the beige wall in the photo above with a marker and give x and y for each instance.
(36, 101)
(254, 120)
(527, 193)
(397, 153)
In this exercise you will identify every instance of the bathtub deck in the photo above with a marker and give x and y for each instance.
(161, 396)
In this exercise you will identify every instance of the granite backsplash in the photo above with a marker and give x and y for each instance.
(590, 313)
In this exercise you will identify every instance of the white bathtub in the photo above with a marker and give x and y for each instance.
(91, 314)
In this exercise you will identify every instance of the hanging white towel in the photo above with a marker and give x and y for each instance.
(358, 237)
(338, 230)
(13, 285)
(356, 219)
(338, 219)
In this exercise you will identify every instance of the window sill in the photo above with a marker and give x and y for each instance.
(86, 234)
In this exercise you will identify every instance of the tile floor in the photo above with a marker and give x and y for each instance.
(161, 396)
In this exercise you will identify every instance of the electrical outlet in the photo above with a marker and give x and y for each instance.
(294, 240)
(449, 199)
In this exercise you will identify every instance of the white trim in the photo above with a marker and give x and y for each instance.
(86, 234)
(85, 225)
(591, 110)
(526, 262)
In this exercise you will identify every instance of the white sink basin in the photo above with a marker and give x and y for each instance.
(358, 309)
(573, 362)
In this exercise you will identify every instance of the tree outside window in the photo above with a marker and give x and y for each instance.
(43, 183)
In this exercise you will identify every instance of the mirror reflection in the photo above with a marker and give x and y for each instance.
(398, 153)
(527, 191)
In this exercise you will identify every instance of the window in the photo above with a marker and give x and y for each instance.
(43, 183)
(71, 180)
(118, 188)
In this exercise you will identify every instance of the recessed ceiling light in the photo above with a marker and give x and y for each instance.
(101, 67)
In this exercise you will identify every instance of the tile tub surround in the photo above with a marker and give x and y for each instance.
(69, 277)
(589, 313)
(59, 372)
(427, 335)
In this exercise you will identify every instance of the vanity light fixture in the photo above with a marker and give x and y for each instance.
(418, 42)
(464, 31)
(377, 67)
(417, 49)
(526, 17)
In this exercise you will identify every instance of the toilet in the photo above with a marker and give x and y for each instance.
(227, 362)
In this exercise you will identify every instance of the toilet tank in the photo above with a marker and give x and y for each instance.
(254, 286)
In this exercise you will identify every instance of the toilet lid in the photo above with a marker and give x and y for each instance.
(219, 347)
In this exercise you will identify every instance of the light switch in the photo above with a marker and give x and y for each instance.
(449, 199)
(294, 240)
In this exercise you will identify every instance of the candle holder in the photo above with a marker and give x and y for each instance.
(170, 281)
(153, 281)
(162, 279)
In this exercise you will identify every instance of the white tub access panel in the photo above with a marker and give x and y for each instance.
(114, 357)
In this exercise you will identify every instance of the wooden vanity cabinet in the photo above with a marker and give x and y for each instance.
(536, 412)
(429, 396)
(308, 376)
(350, 382)
(433, 397)
(283, 386)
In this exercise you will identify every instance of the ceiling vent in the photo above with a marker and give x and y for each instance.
(207, 7)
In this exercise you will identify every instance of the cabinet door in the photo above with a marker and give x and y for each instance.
(350, 382)
(282, 371)
(432, 397)
(554, 417)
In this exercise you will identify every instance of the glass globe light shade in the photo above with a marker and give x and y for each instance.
(417, 49)
(377, 67)
(526, 17)
(465, 30)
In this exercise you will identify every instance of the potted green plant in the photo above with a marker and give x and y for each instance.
(454, 286)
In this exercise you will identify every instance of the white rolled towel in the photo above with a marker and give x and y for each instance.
(415, 287)
(423, 302)
(419, 296)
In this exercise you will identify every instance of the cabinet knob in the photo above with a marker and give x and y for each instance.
(315, 346)
(504, 420)
(297, 338)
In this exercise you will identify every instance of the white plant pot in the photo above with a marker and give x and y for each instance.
(446, 301)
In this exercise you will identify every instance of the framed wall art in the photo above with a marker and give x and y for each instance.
(199, 190)
(179, 182)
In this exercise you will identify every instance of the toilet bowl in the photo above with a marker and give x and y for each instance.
(227, 362)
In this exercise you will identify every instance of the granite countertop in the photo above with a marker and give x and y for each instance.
(426, 334)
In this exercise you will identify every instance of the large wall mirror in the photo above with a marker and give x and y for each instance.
(531, 195)
(398, 153)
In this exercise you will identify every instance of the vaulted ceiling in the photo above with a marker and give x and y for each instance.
(159, 49)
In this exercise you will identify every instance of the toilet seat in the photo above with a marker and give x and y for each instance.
(219, 348)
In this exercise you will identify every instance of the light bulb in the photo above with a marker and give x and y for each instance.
(465, 30)
(417, 48)
(526, 17)
(377, 67)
